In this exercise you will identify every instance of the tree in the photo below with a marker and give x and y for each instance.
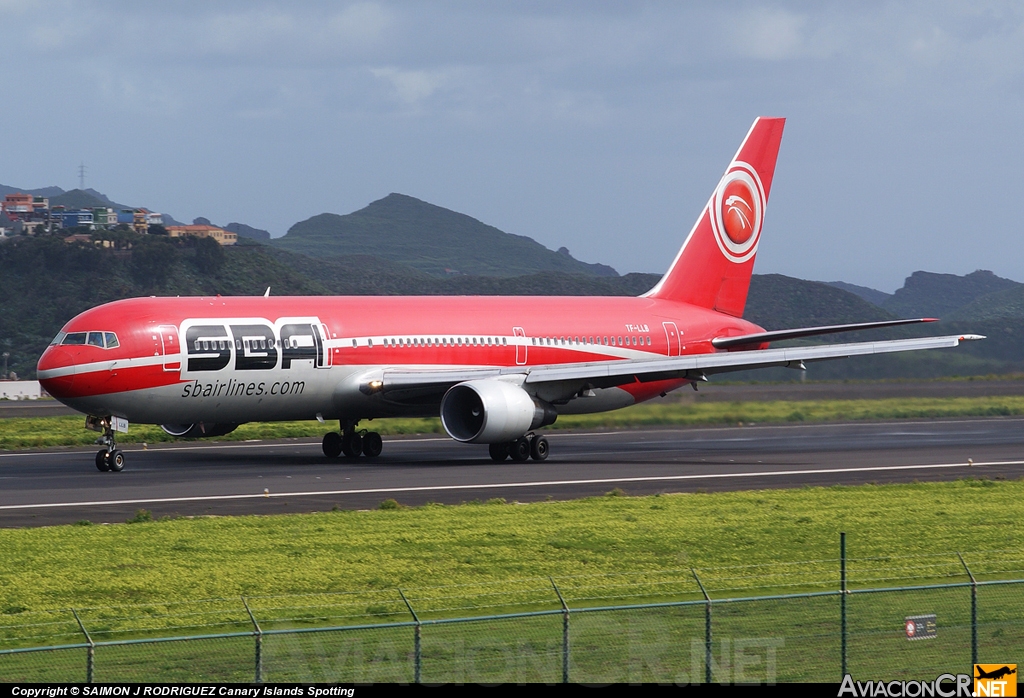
(209, 256)
(152, 262)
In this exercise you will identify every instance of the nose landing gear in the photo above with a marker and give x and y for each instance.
(110, 458)
(110, 461)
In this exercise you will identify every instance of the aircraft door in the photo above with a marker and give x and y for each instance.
(521, 346)
(327, 353)
(672, 335)
(170, 347)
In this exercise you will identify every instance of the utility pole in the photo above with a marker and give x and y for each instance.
(81, 176)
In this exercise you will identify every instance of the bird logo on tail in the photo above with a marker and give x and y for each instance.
(737, 208)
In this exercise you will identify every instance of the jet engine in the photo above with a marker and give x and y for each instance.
(198, 430)
(491, 412)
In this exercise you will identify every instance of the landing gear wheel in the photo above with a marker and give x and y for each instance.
(520, 449)
(101, 461)
(539, 448)
(372, 444)
(352, 445)
(332, 444)
(115, 460)
(499, 452)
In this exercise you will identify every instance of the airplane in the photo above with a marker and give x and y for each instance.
(495, 369)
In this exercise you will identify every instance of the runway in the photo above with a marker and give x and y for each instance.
(227, 478)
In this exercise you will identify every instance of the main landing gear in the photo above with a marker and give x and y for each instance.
(352, 443)
(520, 450)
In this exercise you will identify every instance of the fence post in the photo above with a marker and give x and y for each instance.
(565, 633)
(707, 628)
(259, 642)
(842, 597)
(418, 651)
(974, 611)
(90, 660)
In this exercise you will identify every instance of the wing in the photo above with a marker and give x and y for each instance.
(558, 382)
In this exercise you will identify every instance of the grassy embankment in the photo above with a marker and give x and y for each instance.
(69, 431)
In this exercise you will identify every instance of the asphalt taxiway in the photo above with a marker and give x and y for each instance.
(263, 477)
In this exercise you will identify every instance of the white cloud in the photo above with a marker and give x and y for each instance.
(767, 34)
(410, 86)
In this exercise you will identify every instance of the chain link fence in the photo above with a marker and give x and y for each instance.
(911, 617)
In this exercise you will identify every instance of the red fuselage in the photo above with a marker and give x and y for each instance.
(232, 360)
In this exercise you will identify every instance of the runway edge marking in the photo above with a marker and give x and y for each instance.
(539, 483)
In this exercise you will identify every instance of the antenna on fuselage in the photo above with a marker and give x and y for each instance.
(267, 294)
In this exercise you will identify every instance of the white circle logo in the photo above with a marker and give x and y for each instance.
(737, 209)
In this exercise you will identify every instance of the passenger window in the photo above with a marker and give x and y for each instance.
(74, 338)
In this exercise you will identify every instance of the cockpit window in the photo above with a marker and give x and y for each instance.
(103, 340)
(58, 338)
(75, 338)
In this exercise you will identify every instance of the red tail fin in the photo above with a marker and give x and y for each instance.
(713, 268)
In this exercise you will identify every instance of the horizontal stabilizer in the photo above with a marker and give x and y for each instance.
(798, 332)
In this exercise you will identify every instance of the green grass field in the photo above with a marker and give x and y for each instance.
(70, 431)
(746, 541)
(185, 577)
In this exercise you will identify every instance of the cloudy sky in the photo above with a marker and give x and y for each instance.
(599, 126)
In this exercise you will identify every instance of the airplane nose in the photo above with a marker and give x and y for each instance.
(56, 371)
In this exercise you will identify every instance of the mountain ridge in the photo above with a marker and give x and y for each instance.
(429, 238)
(46, 281)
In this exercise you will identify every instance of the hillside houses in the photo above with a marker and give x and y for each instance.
(25, 214)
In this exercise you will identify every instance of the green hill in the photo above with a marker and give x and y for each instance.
(871, 295)
(779, 302)
(44, 191)
(88, 198)
(1008, 303)
(937, 295)
(430, 239)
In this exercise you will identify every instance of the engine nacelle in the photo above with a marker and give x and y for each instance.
(198, 430)
(491, 412)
